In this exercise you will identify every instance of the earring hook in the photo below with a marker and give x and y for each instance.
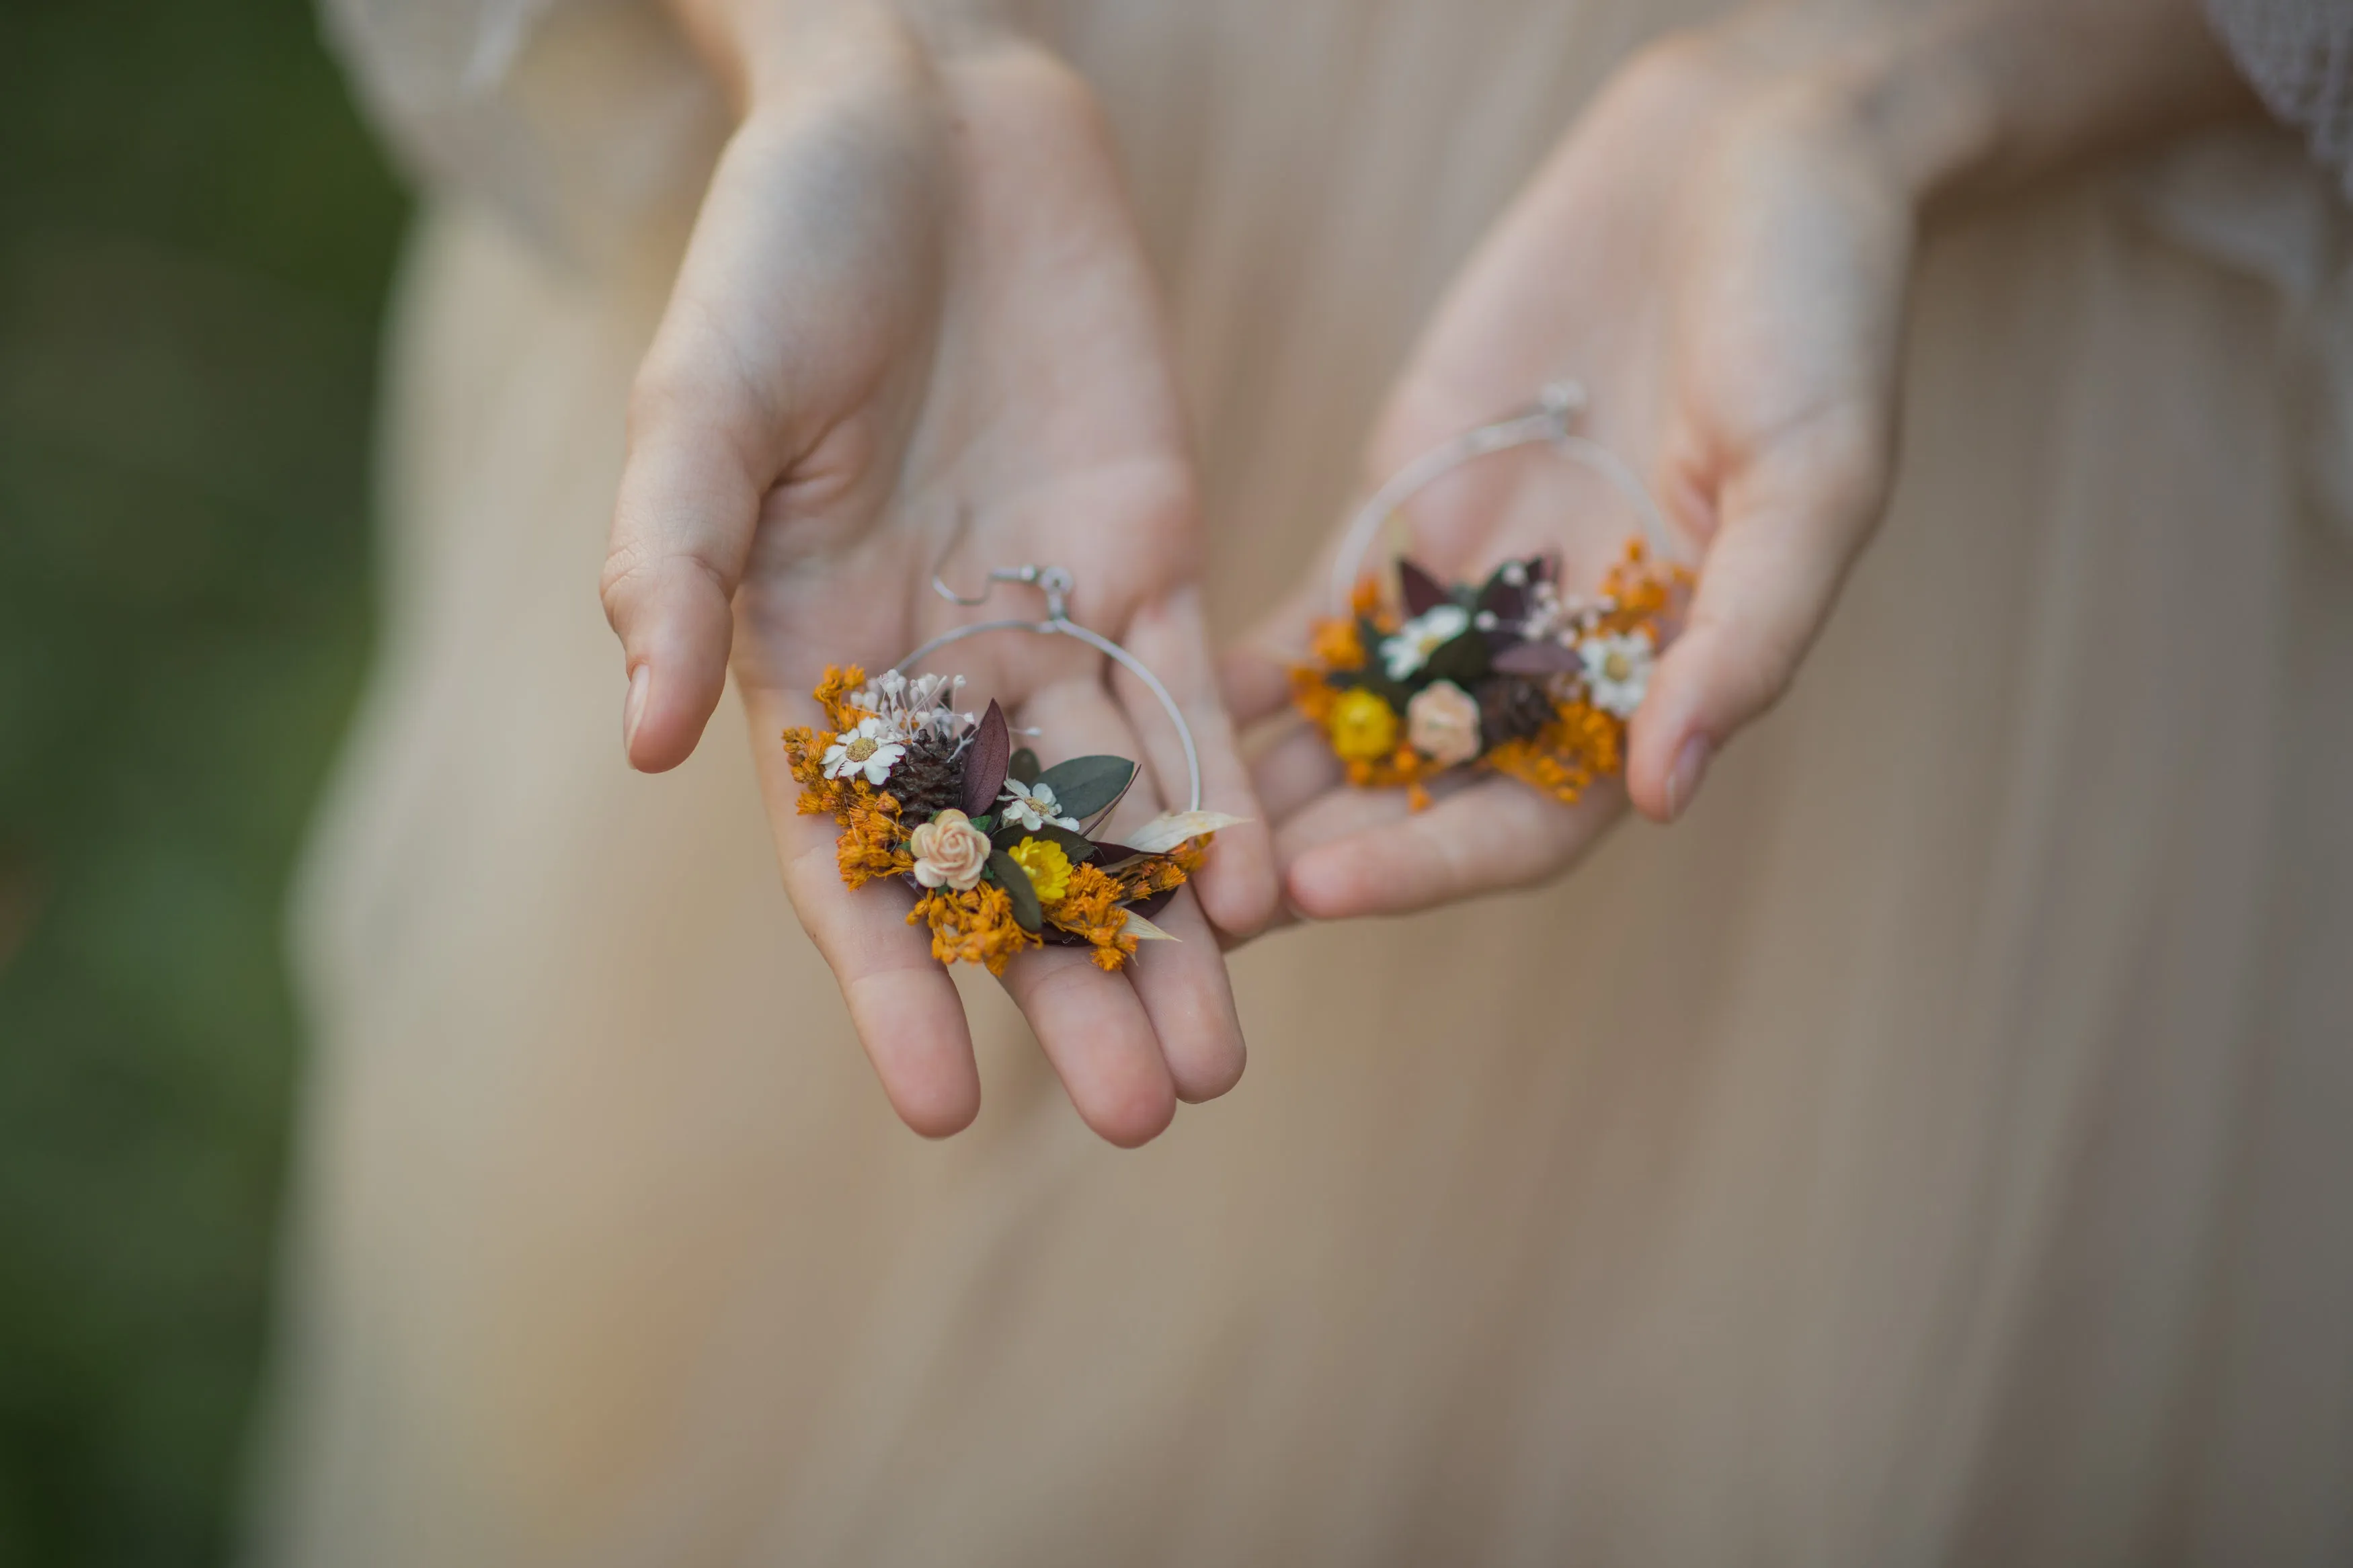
(1057, 584)
(1551, 419)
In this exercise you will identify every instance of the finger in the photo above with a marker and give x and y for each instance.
(1254, 672)
(1237, 886)
(784, 305)
(1299, 767)
(1495, 834)
(905, 1007)
(1793, 519)
(1255, 678)
(1090, 1023)
(1189, 998)
(1095, 1032)
(681, 531)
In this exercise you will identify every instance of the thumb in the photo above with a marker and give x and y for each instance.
(682, 529)
(1794, 513)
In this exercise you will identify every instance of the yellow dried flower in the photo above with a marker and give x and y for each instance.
(1363, 725)
(1049, 869)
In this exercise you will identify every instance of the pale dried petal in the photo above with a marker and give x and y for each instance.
(1169, 829)
(1137, 926)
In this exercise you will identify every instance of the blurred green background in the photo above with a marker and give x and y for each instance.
(196, 236)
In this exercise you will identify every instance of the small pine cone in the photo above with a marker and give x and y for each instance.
(928, 780)
(1510, 708)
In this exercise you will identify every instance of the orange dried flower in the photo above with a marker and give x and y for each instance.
(1091, 907)
(874, 842)
(1312, 694)
(1337, 645)
(833, 692)
(1640, 597)
(975, 926)
(1580, 745)
(1153, 874)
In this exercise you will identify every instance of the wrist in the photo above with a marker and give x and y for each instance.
(1958, 96)
(769, 54)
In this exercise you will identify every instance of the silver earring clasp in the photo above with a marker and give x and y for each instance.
(1057, 584)
(1550, 420)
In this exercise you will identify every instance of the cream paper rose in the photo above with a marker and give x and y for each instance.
(949, 849)
(1442, 722)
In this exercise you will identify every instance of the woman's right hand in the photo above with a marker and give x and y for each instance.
(913, 316)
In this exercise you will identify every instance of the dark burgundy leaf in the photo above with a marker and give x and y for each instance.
(1421, 591)
(1541, 658)
(1158, 901)
(984, 760)
(1504, 601)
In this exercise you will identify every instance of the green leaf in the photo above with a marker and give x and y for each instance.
(1463, 661)
(1016, 882)
(1088, 787)
(1023, 768)
(984, 821)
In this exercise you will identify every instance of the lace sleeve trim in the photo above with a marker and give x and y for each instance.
(574, 119)
(2299, 56)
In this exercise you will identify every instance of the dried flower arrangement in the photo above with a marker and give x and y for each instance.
(998, 849)
(1510, 674)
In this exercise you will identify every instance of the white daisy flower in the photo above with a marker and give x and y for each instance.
(1409, 648)
(1034, 807)
(872, 749)
(1616, 671)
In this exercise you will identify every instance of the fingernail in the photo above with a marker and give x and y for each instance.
(1682, 783)
(642, 681)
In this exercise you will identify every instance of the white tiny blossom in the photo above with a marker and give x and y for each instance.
(1034, 807)
(1616, 671)
(913, 709)
(1409, 648)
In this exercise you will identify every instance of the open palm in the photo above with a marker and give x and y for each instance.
(1722, 266)
(913, 331)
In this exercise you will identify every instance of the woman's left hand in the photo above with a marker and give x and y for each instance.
(1722, 268)
(1719, 252)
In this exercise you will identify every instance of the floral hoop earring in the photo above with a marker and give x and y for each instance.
(1002, 852)
(1514, 675)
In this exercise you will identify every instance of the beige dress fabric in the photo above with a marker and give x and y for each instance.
(1935, 1150)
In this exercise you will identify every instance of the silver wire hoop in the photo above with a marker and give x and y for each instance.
(1057, 584)
(1549, 420)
